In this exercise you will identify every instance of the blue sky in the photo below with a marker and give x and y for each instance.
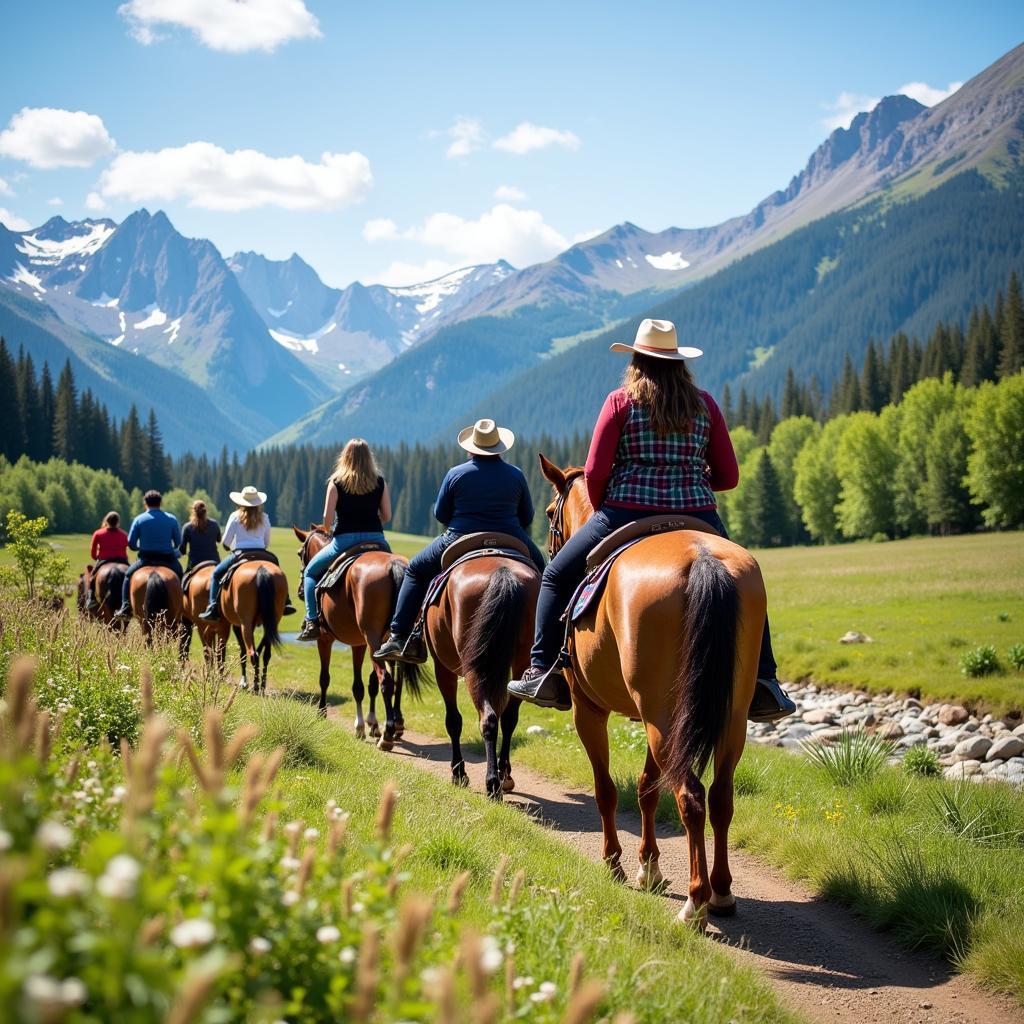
(392, 141)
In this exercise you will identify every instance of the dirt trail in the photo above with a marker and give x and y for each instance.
(822, 961)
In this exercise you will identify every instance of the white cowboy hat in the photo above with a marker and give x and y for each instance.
(658, 338)
(249, 497)
(484, 438)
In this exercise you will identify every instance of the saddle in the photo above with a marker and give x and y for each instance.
(187, 578)
(247, 555)
(341, 565)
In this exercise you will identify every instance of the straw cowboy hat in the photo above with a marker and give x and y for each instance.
(248, 497)
(484, 438)
(658, 338)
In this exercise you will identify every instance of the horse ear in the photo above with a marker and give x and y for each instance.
(301, 534)
(551, 472)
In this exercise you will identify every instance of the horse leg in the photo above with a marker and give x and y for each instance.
(648, 875)
(399, 718)
(691, 803)
(592, 726)
(448, 685)
(372, 725)
(323, 648)
(509, 721)
(387, 692)
(268, 650)
(489, 731)
(237, 630)
(358, 690)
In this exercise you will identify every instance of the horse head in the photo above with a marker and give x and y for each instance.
(312, 541)
(570, 508)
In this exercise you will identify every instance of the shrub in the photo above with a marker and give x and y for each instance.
(921, 761)
(856, 755)
(987, 815)
(1015, 656)
(979, 661)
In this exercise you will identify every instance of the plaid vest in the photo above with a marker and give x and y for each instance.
(655, 472)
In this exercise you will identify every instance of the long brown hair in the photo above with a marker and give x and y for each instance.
(111, 520)
(665, 389)
(250, 516)
(356, 469)
(198, 516)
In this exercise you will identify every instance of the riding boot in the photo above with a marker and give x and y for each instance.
(211, 614)
(770, 702)
(415, 650)
(310, 630)
(546, 688)
(289, 608)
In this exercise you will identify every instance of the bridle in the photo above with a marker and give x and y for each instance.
(303, 551)
(556, 534)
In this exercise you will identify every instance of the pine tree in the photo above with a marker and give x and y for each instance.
(766, 513)
(900, 377)
(1011, 331)
(872, 389)
(846, 397)
(727, 411)
(65, 416)
(134, 452)
(766, 421)
(12, 425)
(743, 410)
(155, 460)
(792, 405)
(47, 405)
(37, 429)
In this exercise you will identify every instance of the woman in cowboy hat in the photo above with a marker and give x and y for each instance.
(247, 529)
(481, 494)
(660, 445)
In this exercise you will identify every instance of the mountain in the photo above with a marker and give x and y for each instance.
(144, 288)
(346, 333)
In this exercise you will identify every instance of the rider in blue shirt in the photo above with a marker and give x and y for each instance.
(156, 536)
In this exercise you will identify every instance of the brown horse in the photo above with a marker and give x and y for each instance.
(673, 641)
(358, 614)
(482, 629)
(107, 581)
(214, 635)
(255, 595)
(155, 596)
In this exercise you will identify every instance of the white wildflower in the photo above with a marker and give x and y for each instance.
(120, 792)
(545, 992)
(6, 842)
(43, 990)
(52, 835)
(490, 954)
(292, 828)
(327, 933)
(120, 877)
(290, 898)
(73, 992)
(358, 908)
(524, 982)
(193, 932)
(67, 882)
(258, 944)
(347, 955)
(332, 804)
(290, 863)
(310, 834)
(430, 975)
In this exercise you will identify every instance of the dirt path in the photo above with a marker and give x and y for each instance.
(823, 962)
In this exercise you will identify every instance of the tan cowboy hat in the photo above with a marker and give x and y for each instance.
(658, 338)
(249, 497)
(485, 438)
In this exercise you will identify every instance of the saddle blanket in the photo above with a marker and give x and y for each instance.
(341, 565)
(190, 575)
(593, 584)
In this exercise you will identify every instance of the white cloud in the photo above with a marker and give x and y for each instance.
(467, 135)
(848, 105)
(12, 221)
(214, 179)
(46, 137)
(5, 189)
(509, 193)
(380, 229)
(235, 26)
(55, 201)
(94, 201)
(526, 137)
(928, 94)
(400, 273)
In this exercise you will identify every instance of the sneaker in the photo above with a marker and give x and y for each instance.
(415, 650)
(289, 608)
(546, 688)
(770, 702)
(210, 615)
(389, 650)
(310, 630)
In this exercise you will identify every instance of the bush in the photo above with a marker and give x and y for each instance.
(921, 761)
(979, 661)
(1015, 656)
(855, 756)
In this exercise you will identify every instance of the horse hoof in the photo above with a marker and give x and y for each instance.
(693, 916)
(616, 870)
(722, 906)
(385, 744)
(649, 876)
(399, 730)
(508, 784)
(460, 780)
(360, 731)
(374, 730)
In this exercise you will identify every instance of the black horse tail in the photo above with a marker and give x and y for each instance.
(266, 606)
(409, 677)
(493, 635)
(114, 578)
(709, 660)
(157, 599)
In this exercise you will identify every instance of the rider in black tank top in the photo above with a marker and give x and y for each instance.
(359, 513)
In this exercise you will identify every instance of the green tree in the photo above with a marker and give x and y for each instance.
(873, 390)
(816, 481)
(787, 440)
(947, 501)
(995, 466)
(1011, 331)
(134, 452)
(866, 462)
(65, 416)
(764, 522)
(24, 538)
(37, 429)
(12, 426)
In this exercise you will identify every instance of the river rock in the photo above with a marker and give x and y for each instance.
(914, 739)
(854, 637)
(1005, 748)
(890, 731)
(974, 748)
(953, 714)
(912, 702)
(1019, 731)
(963, 770)
(820, 716)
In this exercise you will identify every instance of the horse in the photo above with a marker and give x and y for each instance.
(155, 597)
(358, 614)
(672, 641)
(482, 629)
(255, 595)
(214, 635)
(107, 581)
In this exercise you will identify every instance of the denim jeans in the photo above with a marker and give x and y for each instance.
(425, 566)
(321, 562)
(566, 570)
(148, 558)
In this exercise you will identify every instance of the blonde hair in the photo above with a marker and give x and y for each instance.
(665, 389)
(198, 517)
(250, 517)
(356, 469)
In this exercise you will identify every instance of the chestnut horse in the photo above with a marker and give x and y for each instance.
(673, 640)
(482, 629)
(214, 635)
(255, 595)
(107, 581)
(155, 596)
(358, 614)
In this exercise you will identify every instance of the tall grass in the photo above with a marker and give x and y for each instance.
(853, 757)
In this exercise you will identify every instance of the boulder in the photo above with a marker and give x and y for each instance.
(1005, 748)
(914, 739)
(953, 714)
(1019, 731)
(963, 770)
(972, 749)
(853, 637)
(890, 731)
(820, 716)
(912, 702)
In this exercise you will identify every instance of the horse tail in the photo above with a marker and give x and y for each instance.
(409, 677)
(157, 598)
(493, 634)
(708, 660)
(115, 581)
(266, 606)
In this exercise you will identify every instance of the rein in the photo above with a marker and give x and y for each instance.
(304, 550)
(556, 535)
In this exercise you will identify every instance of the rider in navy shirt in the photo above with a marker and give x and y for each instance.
(155, 535)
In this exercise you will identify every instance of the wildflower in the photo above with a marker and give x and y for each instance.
(50, 993)
(290, 863)
(120, 877)
(52, 835)
(193, 932)
(73, 992)
(310, 834)
(358, 908)
(327, 933)
(524, 982)
(347, 955)
(6, 842)
(258, 944)
(545, 992)
(67, 882)
(291, 830)
(490, 954)
(290, 898)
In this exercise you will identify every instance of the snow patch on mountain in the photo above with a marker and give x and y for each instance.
(50, 251)
(156, 318)
(294, 343)
(667, 261)
(22, 275)
(172, 330)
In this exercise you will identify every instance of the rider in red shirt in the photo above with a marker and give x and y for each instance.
(109, 544)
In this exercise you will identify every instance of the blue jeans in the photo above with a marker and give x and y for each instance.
(321, 562)
(566, 570)
(423, 567)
